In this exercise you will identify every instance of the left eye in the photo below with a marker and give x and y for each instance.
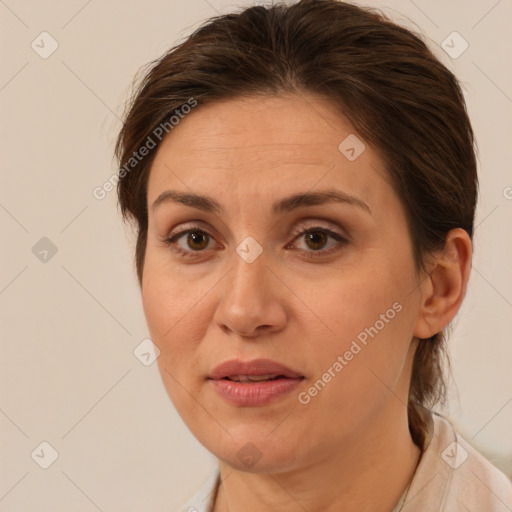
(317, 239)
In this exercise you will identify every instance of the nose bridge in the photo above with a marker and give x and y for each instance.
(248, 298)
(248, 278)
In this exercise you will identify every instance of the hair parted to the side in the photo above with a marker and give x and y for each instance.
(379, 75)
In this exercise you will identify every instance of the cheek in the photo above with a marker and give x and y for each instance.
(171, 300)
(370, 317)
(350, 304)
(175, 314)
(174, 321)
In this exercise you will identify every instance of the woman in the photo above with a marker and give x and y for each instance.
(303, 181)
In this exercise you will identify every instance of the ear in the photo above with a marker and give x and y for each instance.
(444, 287)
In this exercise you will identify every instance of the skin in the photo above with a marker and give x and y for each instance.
(301, 311)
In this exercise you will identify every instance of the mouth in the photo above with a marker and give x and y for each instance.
(253, 383)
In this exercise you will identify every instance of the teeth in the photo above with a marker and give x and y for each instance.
(252, 378)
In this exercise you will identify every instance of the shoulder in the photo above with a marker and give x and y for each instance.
(475, 481)
(202, 501)
(453, 476)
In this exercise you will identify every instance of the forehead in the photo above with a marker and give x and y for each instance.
(260, 145)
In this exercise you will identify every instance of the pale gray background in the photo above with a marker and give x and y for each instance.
(69, 326)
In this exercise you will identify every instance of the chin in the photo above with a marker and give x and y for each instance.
(253, 462)
(253, 450)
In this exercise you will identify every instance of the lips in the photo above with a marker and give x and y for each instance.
(253, 383)
(256, 370)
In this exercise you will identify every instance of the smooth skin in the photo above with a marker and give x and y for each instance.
(301, 302)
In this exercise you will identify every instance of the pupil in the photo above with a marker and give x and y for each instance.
(317, 240)
(197, 240)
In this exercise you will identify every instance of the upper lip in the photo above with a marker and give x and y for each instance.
(236, 367)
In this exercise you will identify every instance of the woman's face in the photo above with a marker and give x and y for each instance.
(299, 254)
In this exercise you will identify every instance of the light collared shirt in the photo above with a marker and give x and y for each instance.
(451, 477)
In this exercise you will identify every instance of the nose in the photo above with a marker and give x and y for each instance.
(251, 299)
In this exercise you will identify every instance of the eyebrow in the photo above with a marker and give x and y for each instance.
(284, 205)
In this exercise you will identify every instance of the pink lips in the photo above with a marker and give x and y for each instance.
(253, 383)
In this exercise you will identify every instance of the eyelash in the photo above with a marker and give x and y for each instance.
(342, 241)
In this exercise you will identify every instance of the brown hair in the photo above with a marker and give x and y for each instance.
(381, 76)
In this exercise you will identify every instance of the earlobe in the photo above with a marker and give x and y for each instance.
(445, 285)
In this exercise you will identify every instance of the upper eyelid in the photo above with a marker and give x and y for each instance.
(306, 225)
(187, 227)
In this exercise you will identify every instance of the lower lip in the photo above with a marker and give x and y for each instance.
(251, 394)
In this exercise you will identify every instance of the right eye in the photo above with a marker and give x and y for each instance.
(195, 241)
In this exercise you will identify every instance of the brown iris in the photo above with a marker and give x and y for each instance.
(316, 240)
(197, 240)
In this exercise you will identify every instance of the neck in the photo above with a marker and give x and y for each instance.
(366, 474)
